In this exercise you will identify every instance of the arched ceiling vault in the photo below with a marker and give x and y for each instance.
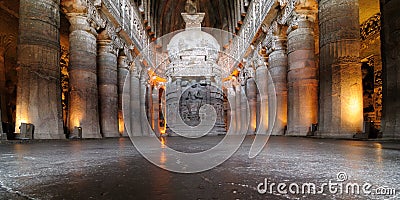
(166, 14)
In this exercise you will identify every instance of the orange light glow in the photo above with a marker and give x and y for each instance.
(163, 142)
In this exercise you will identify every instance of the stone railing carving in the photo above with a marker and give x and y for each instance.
(127, 16)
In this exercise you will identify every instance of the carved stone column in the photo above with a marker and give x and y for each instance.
(123, 71)
(83, 102)
(155, 111)
(38, 90)
(278, 66)
(302, 75)
(108, 89)
(251, 91)
(391, 66)
(341, 98)
(243, 111)
(262, 84)
(232, 113)
(143, 112)
(149, 111)
(135, 103)
(238, 115)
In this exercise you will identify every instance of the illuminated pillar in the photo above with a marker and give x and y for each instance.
(83, 101)
(391, 65)
(302, 75)
(278, 65)
(262, 84)
(38, 89)
(341, 99)
(108, 89)
(251, 90)
(123, 70)
(156, 111)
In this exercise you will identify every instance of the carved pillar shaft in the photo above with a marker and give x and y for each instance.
(243, 111)
(123, 70)
(391, 65)
(156, 111)
(238, 110)
(302, 78)
(341, 98)
(251, 90)
(262, 84)
(135, 104)
(232, 113)
(278, 65)
(39, 91)
(83, 102)
(108, 89)
(143, 112)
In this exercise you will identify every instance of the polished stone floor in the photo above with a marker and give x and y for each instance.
(113, 169)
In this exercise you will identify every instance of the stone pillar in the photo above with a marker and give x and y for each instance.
(232, 113)
(278, 66)
(156, 111)
(391, 65)
(251, 91)
(143, 112)
(149, 103)
(244, 118)
(238, 109)
(123, 71)
(5, 42)
(302, 75)
(135, 103)
(38, 90)
(83, 102)
(108, 85)
(341, 98)
(262, 84)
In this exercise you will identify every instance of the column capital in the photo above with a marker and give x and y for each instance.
(83, 10)
(106, 46)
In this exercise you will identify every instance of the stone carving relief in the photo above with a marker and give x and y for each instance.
(371, 27)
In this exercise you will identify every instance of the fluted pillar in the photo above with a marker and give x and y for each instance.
(341, 98)
(262, 84)
(108, 86)
(123, 71)
(390, 70)
(302, 76)
(135, 103)
(155, 111)
(143, 112)
(38, 89)
(83, 102)
(238, 110)
(251, 91)
(232, 113)
(278, 66)
(243, 111)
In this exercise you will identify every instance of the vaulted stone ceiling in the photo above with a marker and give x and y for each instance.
(167, 14)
